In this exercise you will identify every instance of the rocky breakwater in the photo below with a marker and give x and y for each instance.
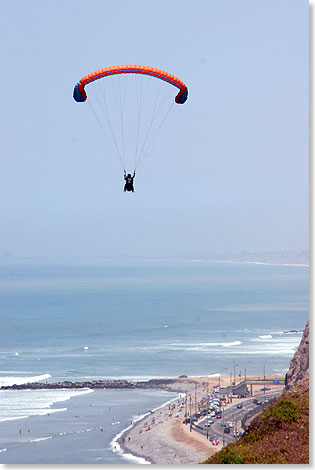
(96, 384)
(298, 374)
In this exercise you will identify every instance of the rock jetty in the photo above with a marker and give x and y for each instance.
(93, 384)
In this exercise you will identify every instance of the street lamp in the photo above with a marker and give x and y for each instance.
(223, 436)
(235, 365)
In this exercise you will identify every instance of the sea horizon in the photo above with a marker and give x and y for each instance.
(162, 320)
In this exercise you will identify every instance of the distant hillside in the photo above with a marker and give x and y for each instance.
(279, 435)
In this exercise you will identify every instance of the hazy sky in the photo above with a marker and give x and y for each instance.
(230, 168)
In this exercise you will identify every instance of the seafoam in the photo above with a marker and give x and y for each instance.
(18, 404)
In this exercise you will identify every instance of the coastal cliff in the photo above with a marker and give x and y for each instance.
(298, 374)
(280, 434)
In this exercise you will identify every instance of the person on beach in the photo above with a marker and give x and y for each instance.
(129, 181)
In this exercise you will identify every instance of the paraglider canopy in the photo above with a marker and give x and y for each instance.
(79, 93)
(130, 106)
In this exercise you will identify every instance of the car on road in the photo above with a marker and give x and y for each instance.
(215, 442)
(227, 430)
(239, 405)
(265, 388)
(219, 416)
(192, 418)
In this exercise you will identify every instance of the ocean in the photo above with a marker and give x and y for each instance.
(142, 320)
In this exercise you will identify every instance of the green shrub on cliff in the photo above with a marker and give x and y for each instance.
(285, 410)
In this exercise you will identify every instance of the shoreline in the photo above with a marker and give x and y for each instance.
(160, 437)
(117, 443)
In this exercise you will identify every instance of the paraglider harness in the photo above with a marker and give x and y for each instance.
(129, 181)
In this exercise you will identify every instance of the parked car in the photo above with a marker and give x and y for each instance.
(215, 442)
(219, 416)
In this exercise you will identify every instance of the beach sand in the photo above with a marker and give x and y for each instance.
(162, 438)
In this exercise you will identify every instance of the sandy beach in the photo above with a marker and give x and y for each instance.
(95, 427)
(162, 438)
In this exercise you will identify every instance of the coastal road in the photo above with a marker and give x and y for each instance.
(232, 414)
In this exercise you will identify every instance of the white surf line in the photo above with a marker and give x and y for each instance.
(41, 439)
(117, 448)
